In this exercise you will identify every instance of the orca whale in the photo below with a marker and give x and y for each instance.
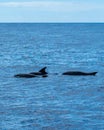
(75, 73)
(41, 72)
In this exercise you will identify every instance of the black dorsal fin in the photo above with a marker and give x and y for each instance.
(43, 70)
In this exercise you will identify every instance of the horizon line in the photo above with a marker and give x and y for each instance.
(50, 22)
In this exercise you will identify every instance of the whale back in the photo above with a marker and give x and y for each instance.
(79, 73)
(41, 72)
(24, 76)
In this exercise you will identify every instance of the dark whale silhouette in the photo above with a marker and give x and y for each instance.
(41, 72)
(78, 73)
(24, 76)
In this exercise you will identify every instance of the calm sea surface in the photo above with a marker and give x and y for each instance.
(56, 102)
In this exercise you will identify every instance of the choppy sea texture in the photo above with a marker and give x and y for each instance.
(57, 102)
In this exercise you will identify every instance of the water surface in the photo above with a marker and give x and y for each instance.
(57, 102)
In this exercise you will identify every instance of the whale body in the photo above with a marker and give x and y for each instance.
(24, 76)
(79, 73)
(41, 72)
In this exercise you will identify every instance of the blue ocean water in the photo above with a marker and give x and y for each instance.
(56, 102)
